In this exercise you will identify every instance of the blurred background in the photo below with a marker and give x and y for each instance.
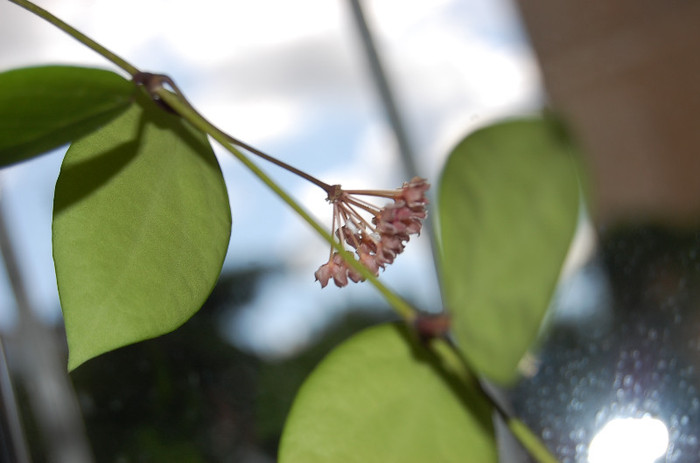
(293, 79)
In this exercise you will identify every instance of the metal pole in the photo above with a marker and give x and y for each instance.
(43, 371)
(14, 445)
(389, 102)
(384, 90)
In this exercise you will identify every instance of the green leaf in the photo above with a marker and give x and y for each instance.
(141, 226)
(42, 108)
(382, 397)
(509, 204)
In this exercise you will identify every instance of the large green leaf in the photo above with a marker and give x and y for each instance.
(381, 397)
(141, 226)
(509, 202)
(43, 108)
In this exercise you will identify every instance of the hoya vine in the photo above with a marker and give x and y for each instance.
(142, 223)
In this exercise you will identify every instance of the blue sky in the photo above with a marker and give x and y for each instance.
(289, 78)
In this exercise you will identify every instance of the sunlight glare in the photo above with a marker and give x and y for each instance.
(638, 440)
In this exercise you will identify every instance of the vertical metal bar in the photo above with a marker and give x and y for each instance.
(389, 102)
(44, 375)
(384, 90)
(14, 442)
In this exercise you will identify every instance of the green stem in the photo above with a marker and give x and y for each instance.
(77, 35)
(405, 310)
(531, 442)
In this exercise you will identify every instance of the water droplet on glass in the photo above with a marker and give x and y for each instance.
(627, 381)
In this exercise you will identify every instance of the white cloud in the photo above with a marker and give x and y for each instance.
(255, 120)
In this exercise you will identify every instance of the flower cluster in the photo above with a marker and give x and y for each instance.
(376, 234)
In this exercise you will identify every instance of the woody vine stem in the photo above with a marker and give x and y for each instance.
(173, 99)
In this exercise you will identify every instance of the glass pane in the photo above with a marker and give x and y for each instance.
(615, 378)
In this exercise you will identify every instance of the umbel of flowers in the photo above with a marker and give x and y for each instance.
(377, 234)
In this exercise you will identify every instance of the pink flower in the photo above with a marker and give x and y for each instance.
(376, 234)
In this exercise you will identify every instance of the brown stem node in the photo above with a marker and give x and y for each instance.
(431, 326)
